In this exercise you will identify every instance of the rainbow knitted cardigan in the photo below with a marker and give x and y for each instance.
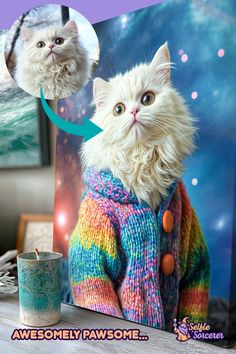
(116, 248)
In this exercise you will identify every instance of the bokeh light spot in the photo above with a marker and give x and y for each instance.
(184, 58)
(124, 19)
(194, 95)
(221, 52)
(181, 52)
(220, 223)
(62, 109)
(61, 219)
(194, 181)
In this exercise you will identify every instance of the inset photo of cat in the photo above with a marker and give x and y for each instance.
(52, 46)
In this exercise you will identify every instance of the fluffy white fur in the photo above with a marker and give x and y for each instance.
(61, 70)
(147, 156)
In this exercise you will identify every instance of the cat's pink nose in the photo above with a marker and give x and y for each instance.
(134, 110)
(51, 46)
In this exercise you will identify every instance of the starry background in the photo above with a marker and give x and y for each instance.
(202, 40)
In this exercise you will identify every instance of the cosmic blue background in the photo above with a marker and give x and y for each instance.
(200, 28)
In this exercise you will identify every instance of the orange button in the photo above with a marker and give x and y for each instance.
(168, 221)
(167, 264)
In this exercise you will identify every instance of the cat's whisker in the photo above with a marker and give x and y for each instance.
(165, 128)
(169, 123)
(171, 115)
(190, 118)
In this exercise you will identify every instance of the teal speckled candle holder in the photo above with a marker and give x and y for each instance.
(39, 282)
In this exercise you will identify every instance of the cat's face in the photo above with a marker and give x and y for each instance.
(140, 106)
(50, 45)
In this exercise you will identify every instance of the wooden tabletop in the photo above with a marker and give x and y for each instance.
(72, 317)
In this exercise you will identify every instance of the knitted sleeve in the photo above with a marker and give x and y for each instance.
(195, 269)
(94, 260)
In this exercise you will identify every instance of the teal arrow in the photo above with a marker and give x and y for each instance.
(88, 129)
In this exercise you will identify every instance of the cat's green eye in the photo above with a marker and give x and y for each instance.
(119, 109)
(40, 44)
(59, 40)
(148, 98)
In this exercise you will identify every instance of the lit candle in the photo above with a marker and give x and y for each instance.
(39, 281)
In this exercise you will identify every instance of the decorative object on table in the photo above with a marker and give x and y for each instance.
(39, 281)
(34, 231)
(24, 128)
(209, 175)
(7, 281)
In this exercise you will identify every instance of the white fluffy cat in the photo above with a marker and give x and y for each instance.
(147, 129)
(55, 58)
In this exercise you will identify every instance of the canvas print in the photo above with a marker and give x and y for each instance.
(28, 145)
(144, 210)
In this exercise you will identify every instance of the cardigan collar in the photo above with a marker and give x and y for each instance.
(105, 184)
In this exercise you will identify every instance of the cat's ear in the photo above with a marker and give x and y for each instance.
(26, 33)
(100, 91)
(72, 28)
(161, 63)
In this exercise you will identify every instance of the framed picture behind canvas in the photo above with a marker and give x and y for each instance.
(24, 129)
(34, 231)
